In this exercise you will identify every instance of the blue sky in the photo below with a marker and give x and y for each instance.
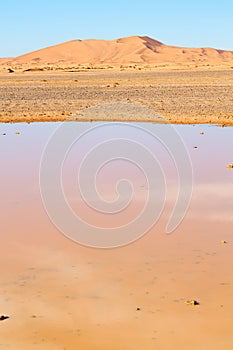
(30, 25)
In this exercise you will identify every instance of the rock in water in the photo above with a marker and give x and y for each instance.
(3, 318)
(192, 302)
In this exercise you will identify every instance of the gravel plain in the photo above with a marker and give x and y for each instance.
(202, 95)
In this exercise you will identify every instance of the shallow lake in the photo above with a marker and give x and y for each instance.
(62, 195)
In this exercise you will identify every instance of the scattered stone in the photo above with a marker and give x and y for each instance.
(192, 302)
(229, 166)
(17, 133)
(223, 241)
(4, 134)
(10, 70)
(194, 146)
(202, 133)
(138, 309)
(3, 318)
(34, 70)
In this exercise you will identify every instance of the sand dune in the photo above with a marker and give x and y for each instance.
(129, 50)
(3, 60)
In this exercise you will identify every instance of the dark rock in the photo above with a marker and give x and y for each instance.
(3, 318)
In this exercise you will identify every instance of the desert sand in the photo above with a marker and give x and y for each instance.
(179, 95)
(129, 50)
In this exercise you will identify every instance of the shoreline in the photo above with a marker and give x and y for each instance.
(199, 122)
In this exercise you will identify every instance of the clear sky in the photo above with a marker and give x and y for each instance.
(30, 25)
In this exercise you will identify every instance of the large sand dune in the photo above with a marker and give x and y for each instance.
(130, 50)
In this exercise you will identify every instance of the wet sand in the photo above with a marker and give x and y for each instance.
(179, 94)
(60, 295)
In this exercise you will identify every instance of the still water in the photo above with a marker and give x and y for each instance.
(60, 292)
(109, 155)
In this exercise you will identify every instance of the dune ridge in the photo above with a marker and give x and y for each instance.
(140, 50)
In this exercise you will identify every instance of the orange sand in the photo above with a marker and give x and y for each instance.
(130, 50)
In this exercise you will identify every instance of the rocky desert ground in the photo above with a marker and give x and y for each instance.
(180, 94)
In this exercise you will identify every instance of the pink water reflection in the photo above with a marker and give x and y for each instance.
(20, 194)
(59, 293)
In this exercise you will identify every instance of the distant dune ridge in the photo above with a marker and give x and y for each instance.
(140, 50)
